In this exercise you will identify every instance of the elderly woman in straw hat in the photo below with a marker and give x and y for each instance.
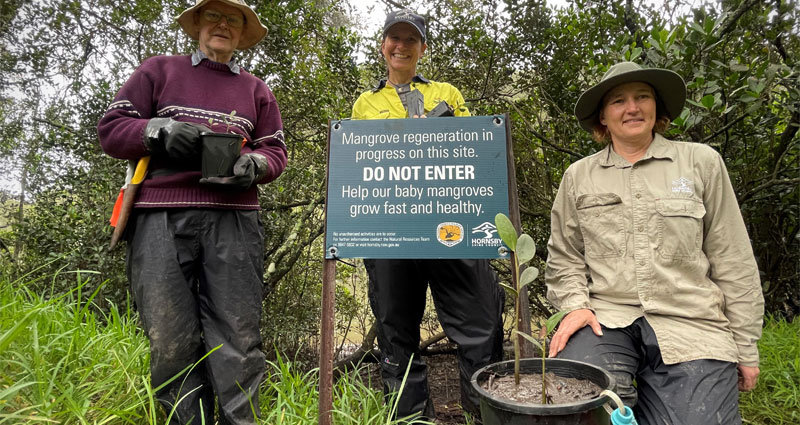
(195, 245)
(649, 254)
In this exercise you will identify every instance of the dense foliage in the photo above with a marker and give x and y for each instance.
(62, 62)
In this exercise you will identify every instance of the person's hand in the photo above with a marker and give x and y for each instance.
(248, 169)
(182, 139)
(177, 139)
(748, 377)
(571, 323)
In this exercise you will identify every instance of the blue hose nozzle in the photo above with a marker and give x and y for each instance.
(623, 416)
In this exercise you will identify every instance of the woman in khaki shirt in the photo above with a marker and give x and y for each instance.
(649, 254)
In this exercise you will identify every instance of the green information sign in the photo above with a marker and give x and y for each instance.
(416, 188)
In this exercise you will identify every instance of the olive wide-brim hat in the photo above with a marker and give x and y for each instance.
(669, 87)
(252, 32)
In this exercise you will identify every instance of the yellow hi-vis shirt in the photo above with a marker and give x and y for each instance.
(383, 102)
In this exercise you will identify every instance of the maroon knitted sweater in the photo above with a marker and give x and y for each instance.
(169, 86)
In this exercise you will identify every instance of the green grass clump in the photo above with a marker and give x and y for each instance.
(291, 397)
(63, 361)
(776, 399)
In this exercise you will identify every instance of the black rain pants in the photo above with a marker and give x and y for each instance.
(697, 392)
(196, 277)
(469, 305)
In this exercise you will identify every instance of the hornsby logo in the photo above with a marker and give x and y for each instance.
(488, 230)
(682, 185)
(450, 233)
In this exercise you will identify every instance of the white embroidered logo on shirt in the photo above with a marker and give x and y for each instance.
(682, 185)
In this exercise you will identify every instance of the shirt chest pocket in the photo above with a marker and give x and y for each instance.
(602, 222)
(680, 227)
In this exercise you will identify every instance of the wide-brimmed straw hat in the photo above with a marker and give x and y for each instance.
(252, 32)
(669, 87)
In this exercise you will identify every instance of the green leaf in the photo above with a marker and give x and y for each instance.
(692, 102)
(695, 26)
(526, 248)
(529, 275)
(739, 67)
(529, 338)
(747, 98)
(509, 289)
(506, 230)
(707, 101)
(553, 320)
(635, 52)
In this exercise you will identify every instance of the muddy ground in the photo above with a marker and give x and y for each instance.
(443, 382)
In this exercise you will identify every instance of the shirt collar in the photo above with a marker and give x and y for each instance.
(415, 79)
(660, 148)
(198, 57)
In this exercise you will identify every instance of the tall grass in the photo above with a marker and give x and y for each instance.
(62, 361)
(776, 399)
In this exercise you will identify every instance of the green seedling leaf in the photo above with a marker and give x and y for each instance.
(529, 338)
(529, 275)
(509, 289)
(553, 320)
(506, 230)
(526, 248)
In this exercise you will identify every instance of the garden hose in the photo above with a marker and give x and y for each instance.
(621, 415)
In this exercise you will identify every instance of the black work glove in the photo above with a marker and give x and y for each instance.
(248, 169)
(177, 139)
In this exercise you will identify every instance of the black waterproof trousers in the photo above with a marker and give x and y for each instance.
(469, 304)
(698, 392)
(196, 276)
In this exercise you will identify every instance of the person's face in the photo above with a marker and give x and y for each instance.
(219, 39)
(629, 112)
(402, 47)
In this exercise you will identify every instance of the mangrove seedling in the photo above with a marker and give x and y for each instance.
(524, 249)
(227, 119)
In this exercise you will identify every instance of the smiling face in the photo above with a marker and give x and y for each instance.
(219, 39)
(629, 113)
(401, 48)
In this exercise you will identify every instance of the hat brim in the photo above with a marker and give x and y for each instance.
(669, 87)
(252, 33)
(413, 25)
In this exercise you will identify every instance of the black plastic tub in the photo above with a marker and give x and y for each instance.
(220, 152)
(496, 411)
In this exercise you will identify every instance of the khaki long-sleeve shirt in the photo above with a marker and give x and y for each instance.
(662, 238)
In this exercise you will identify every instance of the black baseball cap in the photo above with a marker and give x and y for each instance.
(408, 16)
